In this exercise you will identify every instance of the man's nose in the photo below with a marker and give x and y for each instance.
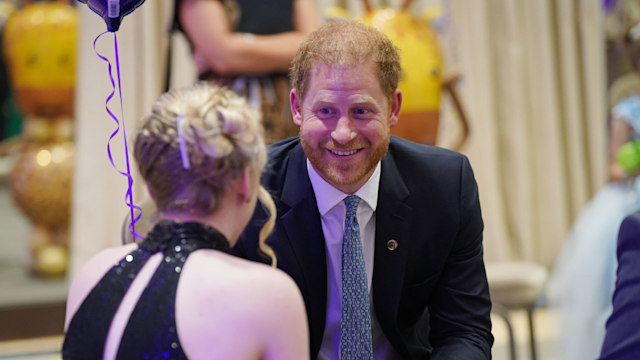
(344, 130)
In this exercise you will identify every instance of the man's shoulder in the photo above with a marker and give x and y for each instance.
(282, 149)
(422, 166)
(405, 151)
(282, 157)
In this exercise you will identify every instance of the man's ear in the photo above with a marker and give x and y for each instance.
(296, 107)
(395, 105)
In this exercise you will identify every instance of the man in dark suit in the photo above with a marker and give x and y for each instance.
(622, 340)
(419, 226)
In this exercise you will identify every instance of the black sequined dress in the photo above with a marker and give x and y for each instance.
(151, 331)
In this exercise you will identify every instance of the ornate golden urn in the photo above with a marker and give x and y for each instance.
(40, 45)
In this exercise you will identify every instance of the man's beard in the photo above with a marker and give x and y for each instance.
(334, 173)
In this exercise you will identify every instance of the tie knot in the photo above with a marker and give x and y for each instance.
(352, 202)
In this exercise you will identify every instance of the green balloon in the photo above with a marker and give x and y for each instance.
(628, 156)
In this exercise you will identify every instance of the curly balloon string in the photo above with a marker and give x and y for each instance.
(129, 195)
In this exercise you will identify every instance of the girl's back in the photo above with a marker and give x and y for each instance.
(225, 307)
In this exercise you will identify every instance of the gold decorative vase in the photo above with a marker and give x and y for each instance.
(40, 44)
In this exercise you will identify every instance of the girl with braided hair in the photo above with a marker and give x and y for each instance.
(178, 293)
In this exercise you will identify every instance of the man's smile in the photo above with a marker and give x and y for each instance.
(343, 152)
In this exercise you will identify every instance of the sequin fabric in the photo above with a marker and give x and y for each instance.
(355, 327)
(151, 331)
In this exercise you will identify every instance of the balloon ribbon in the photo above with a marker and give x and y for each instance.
(129, 195)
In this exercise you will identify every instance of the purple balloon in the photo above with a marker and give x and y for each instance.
(112, 11)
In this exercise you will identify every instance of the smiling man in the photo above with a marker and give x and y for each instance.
(382, 236)
(345, 121)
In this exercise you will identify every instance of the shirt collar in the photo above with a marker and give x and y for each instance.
(327, 196)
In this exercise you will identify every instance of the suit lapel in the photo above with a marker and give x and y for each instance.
(392, 229)
(301, 222)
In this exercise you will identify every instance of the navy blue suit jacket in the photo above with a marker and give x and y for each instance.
(430, 294)
(622, 340)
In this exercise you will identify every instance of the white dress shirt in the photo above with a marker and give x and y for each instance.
(332, 213)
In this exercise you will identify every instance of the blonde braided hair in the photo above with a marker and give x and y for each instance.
(221, 134)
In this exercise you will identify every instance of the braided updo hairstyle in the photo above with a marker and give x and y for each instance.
(221, 136)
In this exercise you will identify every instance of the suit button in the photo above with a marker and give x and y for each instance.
(392, 244)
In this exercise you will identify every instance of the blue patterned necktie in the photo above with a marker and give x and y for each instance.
(355, 327)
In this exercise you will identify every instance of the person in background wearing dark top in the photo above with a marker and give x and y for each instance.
(248, 45)
(622, 339)
(383, 236)
(179, 294)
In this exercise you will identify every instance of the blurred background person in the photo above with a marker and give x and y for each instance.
(583, 278)
(622, 340)
(248, 45)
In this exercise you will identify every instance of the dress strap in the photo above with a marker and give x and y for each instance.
(87, 332)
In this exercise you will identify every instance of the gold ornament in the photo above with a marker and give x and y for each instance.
(41, 183)
(421, 80)
(40, 45)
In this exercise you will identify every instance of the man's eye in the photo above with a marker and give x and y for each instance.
(324, 112)
(361, 111)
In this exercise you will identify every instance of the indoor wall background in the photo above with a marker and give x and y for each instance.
(533, 87)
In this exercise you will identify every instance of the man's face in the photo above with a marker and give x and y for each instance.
(345, 122)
